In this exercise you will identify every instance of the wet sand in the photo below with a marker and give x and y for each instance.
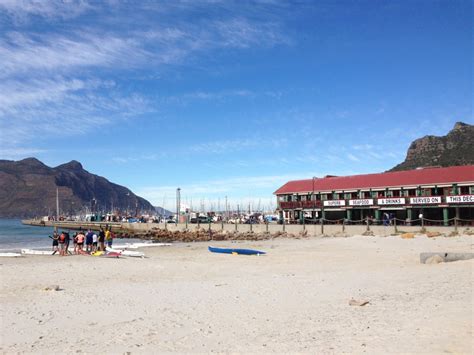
(294, 299)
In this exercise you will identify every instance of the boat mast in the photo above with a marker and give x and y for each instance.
(57, 204)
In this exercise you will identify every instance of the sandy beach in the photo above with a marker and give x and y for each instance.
(294, 299)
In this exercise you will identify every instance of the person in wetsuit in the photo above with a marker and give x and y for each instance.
(55, 239)
(102, 240)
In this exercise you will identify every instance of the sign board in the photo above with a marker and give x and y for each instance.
(425, 200)
(362, 202)
(334, 203)
(391, 201)
(460, 199)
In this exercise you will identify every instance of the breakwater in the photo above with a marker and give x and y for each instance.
(224, 231)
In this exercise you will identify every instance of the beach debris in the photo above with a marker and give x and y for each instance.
(354, 302)
(368, 234)
(408, 235)
(468, 231)
(433, 258)
(433, 234)
(53, 288)
(303, 233)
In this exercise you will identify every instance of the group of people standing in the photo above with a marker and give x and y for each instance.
(90, 240)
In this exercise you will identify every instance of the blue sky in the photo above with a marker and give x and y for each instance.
(229, 98)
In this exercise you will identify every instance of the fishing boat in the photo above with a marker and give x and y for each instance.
(235, 251)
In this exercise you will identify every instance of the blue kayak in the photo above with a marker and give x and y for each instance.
(235, 251)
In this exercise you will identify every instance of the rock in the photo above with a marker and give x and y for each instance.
(433, 234)
(52, 288)
(435, 259)
(354, 302)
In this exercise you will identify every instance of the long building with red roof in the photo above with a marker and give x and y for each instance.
(436, 194)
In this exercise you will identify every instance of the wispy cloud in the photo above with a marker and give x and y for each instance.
(242, 33)
(52, 78)
(33, 53)
(227, 146)
(20, 10)
(61, 106)
(17, 153)
(353, 157)
(210, 148)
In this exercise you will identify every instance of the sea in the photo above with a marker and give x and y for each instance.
(15, 236)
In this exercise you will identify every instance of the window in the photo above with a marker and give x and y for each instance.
(464, 190)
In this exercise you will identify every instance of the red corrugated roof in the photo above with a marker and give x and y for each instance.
(427, 176)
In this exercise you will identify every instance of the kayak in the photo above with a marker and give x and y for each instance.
(12, 255)
(36, 252)
(111, 254)
(137, 254)
(235, 251)
(139, 245)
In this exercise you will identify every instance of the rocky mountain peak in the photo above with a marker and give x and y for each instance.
(460, 125)
(455, 148)
(73, 165)
(31, 162)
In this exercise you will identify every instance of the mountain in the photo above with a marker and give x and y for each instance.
(455, 148)
(28, 189)
(160, 211)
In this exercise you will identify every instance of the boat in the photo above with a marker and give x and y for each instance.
(235, 251)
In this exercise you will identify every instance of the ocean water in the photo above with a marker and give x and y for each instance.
(15, 236)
